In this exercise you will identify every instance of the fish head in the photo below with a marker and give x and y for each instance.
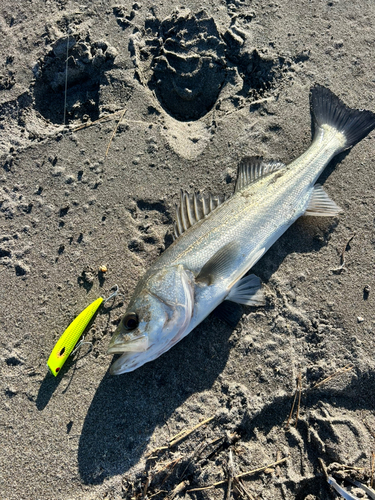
(157, 317)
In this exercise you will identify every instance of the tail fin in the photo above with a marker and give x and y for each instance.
(328, 109)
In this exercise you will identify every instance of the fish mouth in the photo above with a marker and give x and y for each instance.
(130, 361)
(122, 365)
(121, 343)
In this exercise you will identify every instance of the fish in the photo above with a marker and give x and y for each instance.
(218, 240)
(66, 343)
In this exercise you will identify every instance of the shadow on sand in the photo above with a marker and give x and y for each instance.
(126, 409)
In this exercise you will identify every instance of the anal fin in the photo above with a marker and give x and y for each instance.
(321, 205)
(247, 291)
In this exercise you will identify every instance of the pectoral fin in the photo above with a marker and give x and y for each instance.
(321, 205)
(247, 291)
(220, 264)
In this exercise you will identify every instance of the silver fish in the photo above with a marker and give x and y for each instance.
(218, 240)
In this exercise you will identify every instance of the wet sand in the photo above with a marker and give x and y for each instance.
(160, 99)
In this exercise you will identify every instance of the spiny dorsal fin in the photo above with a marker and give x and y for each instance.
(193, 208)
(252, 168)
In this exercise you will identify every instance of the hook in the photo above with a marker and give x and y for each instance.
(116, 293)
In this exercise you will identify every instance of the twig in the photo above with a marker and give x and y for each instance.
(342, 256)
(175, 462)
(230, 475)
(259, 101)
(170, 465)
(108, 117)
(324, 468)
(346, 368)
(147, 483)
(298, 392)
(161, 448)
(157, 493)
(215, 440)
(239, 476)
(66, 78)
(211, 487)
(218, 447)
(372, 469)
(345, 466)
(241, 487)
(197, 451)
(183, 434)
(292, 409)
(299, 388)
(262, 468)
(167, 466)
(178, 489)
(114, 131)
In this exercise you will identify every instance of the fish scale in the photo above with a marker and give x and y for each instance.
(207, 262)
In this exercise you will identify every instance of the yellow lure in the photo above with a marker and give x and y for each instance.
(69, 338)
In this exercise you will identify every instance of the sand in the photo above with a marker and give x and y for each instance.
(158, 99)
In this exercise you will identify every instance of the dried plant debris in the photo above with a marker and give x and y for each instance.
(171, 470)
(351, 483)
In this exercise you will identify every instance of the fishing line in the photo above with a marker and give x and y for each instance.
(66, 77)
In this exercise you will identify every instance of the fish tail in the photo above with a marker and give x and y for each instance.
(328, 109)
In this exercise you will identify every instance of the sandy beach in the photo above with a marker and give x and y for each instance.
(107, 110)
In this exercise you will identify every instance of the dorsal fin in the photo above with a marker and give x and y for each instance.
(252, 168)
(193, 208)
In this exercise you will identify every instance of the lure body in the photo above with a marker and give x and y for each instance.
(69, 338)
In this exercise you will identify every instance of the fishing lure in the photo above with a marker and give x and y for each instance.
(69, 338)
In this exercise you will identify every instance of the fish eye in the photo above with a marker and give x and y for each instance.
(130, 321)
